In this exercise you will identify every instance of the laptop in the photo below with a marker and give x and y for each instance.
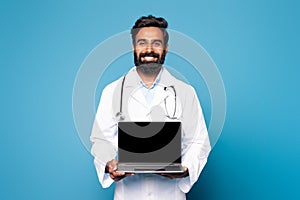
(149, 147)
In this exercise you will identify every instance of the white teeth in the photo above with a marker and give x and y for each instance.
(149, 58)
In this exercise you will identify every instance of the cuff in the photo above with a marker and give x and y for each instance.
(185, 184)
(103, 177)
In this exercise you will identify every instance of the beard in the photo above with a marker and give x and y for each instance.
(152, 67)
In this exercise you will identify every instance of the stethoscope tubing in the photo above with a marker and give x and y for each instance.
(120, 113)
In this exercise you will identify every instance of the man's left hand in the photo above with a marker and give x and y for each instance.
(176, 175)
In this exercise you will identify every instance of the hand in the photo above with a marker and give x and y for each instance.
(111, 168)
(176, 175)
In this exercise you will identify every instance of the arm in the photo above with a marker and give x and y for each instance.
(195, 144)
(104, 136)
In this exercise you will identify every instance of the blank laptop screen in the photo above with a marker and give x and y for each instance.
(149, 142)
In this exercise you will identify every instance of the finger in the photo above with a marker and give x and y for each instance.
(167, 176)
(129, 174)
(112, 169)
(119, 178)
(112, 166)
(112, 176)
(116, 178)
(114, 173)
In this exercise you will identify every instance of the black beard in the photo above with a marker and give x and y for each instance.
(149, 68)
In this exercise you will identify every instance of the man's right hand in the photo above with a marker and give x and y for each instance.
(111, 168)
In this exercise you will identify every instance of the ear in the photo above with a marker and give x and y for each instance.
(132, 46)
(167, 48)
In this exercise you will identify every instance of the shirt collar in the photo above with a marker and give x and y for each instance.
(155, 83)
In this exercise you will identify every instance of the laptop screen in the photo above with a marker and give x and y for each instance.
(149, 142)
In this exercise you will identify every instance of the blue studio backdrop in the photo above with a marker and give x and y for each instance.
(255, 45)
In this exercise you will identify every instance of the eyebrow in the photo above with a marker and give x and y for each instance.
(157, 40)
(144, 40)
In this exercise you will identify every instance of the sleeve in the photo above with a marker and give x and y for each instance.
(196, 145)
(104, 137)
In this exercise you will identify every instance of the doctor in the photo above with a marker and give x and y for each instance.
(148, 92)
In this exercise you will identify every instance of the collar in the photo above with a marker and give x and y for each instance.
(164, 78)
(155, 83)
(132, 84)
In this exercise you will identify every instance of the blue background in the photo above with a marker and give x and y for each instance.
(255, 45)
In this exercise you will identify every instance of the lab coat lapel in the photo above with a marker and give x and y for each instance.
(140, 98)
(159, 96)
(132, 88)
(166, 80)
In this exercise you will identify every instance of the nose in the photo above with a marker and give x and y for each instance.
(149, 48)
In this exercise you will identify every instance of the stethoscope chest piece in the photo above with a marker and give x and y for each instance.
(120, 116)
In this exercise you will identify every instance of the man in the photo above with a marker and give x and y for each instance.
(148, 92)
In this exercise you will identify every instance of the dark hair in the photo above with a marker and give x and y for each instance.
(150, 21)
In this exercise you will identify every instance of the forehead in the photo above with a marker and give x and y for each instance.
(149, 33)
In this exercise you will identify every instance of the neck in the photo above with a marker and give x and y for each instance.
(148, 79)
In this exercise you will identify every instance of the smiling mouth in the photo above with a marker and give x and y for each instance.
(149, 59)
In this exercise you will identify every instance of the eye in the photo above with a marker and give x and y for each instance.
(141, 43)
(157, 44)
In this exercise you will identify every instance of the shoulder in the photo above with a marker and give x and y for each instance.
(112, 89)
(179, 84)
(112, 86)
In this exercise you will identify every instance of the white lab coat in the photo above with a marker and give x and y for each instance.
(195, 140)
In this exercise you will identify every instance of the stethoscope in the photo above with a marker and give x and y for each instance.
(120, 115)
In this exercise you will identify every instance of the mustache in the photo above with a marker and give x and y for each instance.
(149, 54)
(138, 61)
